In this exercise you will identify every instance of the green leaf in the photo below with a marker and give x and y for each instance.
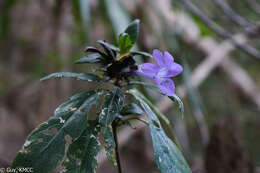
(141, 53)
(164, 121)
(46, 146)
(79, 76)
(95, 50)
(82, 154)
(109, 45)
(131, 109)
(110, 144)
(146, 85)
(92, 58)
(105, 58)
(110, 52)
(113, 104)
(159, 114)
(167, 155)
(124, 43)
(174, 98)
(177, 99)
(133, 30)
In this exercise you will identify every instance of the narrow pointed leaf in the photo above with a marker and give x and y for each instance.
(113, 104)
(146, 85)
(110, 144)
(153, 87)
(108, 45)
(177, 99)
(111, 46)
(45, 147)
(106, 59)
(82, 154)
(92, 58)
(167, 155)
(94, 50)
(133, 30)
(164, 122)
(174, 98)
(131, 109)
(141, 53)
(79, 76)
(110, 52)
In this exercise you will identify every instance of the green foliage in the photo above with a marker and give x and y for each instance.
(174, 98)
(125, 44)
(82, 154)
(131, 109)
(92, 58)
(108, 49)
(167, 155)
(177, 99)
(142, 54)
(78, 76)
(45, 147)
(110, 144)
(128, 38)
(113, 104)
(108, 45)
(70, 138)
(133, 30)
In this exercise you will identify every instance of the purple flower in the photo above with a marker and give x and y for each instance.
(162, 72)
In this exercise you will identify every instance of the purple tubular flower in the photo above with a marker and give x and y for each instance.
(161, 72)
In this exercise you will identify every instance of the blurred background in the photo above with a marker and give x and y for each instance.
(216, 41)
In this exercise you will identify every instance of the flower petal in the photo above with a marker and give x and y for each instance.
(168, 59)
(174, 70)
(139, 73)
(166, 85)
(149, 69)
(163, 60)
(158, 56)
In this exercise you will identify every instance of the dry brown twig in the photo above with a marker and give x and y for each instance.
(254, 5)
(219, 30)
(236, 18)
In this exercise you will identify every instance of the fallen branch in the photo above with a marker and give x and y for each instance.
(236, 18)
(220, 31)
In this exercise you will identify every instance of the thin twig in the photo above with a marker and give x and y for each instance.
(136, 117)
(236, 18)
(254, 5)
(250, 29)
(219, 30)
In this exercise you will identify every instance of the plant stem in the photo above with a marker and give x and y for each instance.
(134, 117)
(114, 127)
